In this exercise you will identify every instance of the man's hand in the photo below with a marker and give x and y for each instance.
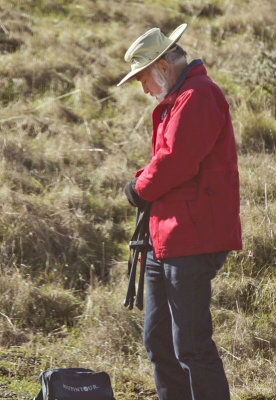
(133, 196)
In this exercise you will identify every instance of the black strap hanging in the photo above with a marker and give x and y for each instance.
(139, 244)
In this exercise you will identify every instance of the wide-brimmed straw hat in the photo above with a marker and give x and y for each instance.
(148, 48)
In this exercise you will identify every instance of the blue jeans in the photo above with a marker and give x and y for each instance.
(178, 328)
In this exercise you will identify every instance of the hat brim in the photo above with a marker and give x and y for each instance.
(174, 37)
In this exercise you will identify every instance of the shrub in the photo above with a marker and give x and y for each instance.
(259, 133)
(24, 306)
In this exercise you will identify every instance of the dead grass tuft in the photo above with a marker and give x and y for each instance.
(24, 306)
(9, 45)
(259, 134)
(9, 335)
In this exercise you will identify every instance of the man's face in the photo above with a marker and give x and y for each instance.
(153, 83)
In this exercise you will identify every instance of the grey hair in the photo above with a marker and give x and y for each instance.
(175, 54)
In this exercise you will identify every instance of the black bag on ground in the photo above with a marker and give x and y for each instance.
(74, 384)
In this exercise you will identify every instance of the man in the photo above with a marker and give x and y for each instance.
(192, 183)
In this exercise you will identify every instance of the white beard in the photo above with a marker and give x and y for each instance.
(160, 97)
(161, 81)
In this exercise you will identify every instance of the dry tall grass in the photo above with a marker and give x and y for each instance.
(70, 139)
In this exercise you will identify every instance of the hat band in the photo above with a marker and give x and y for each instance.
(140, 61)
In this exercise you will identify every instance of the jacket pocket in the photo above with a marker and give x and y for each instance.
(171, 224)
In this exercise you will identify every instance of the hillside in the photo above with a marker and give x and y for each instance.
(70, 140)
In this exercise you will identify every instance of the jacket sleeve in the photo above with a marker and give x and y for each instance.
(194, 126)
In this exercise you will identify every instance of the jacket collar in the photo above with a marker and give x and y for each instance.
(184, 74)
(188, 71)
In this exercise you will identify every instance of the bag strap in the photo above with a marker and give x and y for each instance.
(39, 395)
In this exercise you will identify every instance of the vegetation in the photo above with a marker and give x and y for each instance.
(70, 139)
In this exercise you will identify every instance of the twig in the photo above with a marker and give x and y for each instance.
(263, 340)
(107, 126)
(141, 119)
(88, 131)
(104, 99)
(9, 320)
(14, 117)
(139, 123)
(232, 355)
(266, 207)
(40, 106)
(55, 98)
(266, 204)
(95, 149)
(4, 29)
(238, 308)
(103, 261)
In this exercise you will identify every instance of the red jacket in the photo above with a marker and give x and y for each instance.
(192, 179)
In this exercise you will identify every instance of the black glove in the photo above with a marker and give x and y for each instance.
(133, 197)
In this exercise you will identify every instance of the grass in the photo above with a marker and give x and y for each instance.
(105, 336)
(70, 140)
